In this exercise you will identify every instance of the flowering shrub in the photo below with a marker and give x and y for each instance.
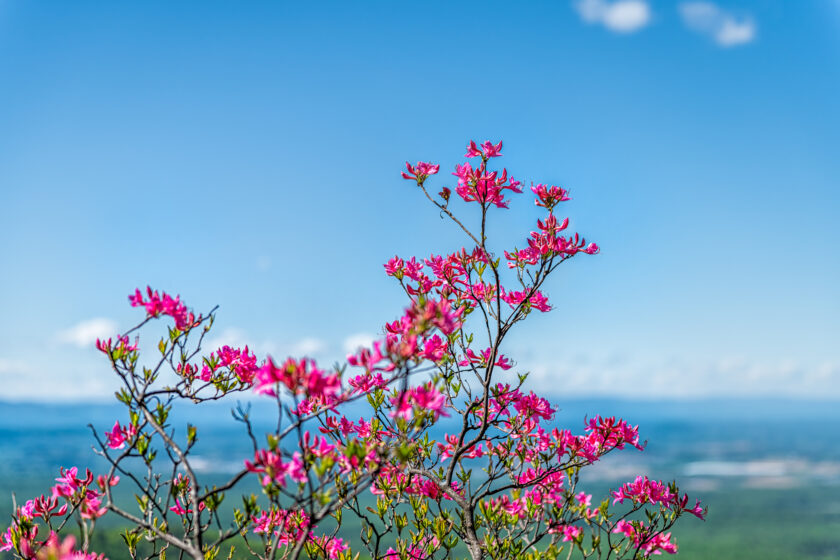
(451, 459)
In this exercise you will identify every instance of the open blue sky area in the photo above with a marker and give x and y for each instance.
(248, 155)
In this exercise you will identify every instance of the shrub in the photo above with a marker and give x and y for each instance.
(453, 457)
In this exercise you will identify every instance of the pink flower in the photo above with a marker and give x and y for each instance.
(584, 499)
(394, 267)
(6, 542)
(163, 304)
(420, 172)
(649, 544)
(487, 150)
(119, 435)
(178, 509)
(434, 349)
(122, 345)
(483, 360)
(425, 397)
(571, 532)
(331, 546)
(644, 490)
(270, 465)
(531, 406)
(300, 377)
(65, 550)
(548, 197)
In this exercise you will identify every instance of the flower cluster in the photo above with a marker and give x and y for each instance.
(650, 543)
(271, 468)
(120, 435)
(79, 495)
(420, 172)
(159, 304)
(300, 377)
(238, 362)
(442, 357)
(646, 491)
(118, 349)
(291, 526)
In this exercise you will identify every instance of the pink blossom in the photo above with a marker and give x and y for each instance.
(394, 267)
(531, 405)
(483, 360)
(331, 546)
(119, 435)
(299, 376)
(270, 465)
(163, 304)
(654, 544)
(122, 345)
(420, 172)
(487, 150)
(434, 349)
(571, 532)
(65, 550)
(644, 490)
(178, 509)
(548, 197)
(425, 397)
(6, 542)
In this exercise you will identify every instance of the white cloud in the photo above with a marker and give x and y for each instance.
(722, 27)
(235, 338)
(308, 347)
(620, 16)
(84, 334)
(238, 338)
(685, 378)
(38, 378)
(13, 366)
(356, 341)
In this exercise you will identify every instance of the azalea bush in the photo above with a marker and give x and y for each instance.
(452, 455)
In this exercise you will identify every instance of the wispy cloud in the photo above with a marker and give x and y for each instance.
(13, 366)
(38, 379)
(356, 341)
(237, 338)
(309, 346)
(686, 378)
(84, 334)
(620, 16)
(722, 27)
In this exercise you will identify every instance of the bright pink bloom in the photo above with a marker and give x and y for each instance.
(65, 550)
(548, 197)
(484, 359)
(332, 546)
(425, 397)
(420, 172)
(163, 304)
(487, 150)
(300, 377)
(178, 509)
(119, 435)
(272, 468)
(644, 490)
(434, 349)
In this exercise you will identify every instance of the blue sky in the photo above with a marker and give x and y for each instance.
(249, 156)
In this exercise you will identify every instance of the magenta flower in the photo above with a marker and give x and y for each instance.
(548, 197)
(420, 172)
(163, 304)
(119, 435)
(487, 150)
